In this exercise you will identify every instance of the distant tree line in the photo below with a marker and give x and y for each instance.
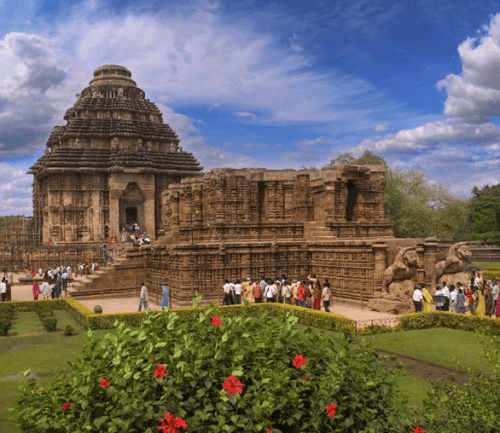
(419, 208)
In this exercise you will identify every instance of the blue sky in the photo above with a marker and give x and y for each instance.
(283, 84)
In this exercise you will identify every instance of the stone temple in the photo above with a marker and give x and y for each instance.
(115, 162)
(108, 165)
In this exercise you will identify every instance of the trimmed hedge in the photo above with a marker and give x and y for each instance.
(307, 317)
(78, 311)
(446, 319)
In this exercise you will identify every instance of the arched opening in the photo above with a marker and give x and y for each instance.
(352, 198)
(132, 206)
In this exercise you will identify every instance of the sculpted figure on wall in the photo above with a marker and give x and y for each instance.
(458, 257)
(402, 270)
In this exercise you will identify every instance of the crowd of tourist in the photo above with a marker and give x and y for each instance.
(309, 293)
(134, 234)
(480, 297)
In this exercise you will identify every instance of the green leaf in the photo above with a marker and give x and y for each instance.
(116, 360)
(160, 344)
(237, 372)
(177, 353)
(224, 337)
(142, 336)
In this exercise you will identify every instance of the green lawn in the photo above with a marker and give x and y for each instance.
(451, 348)
(486, 264)
(28, 346)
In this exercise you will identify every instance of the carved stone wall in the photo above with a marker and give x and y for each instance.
(254, 222)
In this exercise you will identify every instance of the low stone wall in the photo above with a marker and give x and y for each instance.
(489, 254)
(19, 259)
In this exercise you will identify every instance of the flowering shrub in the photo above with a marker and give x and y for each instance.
(171, 424)
(243, 375)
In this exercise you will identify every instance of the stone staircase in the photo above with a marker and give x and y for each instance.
(122, 277)
(317, 232)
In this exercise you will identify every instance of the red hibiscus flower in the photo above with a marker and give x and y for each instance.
(299, 360)
(304, 378)
(418, 429)
(170, 424)
(216, 321)
(66, 406)
(270, 428)
(160, 371)
(233, 385)
(331, 410)
(104, 383)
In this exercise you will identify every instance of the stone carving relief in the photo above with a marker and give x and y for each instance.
(458, 257)
(115, 143)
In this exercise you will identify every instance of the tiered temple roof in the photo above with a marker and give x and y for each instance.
(113, 126)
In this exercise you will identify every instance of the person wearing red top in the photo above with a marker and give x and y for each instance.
(470, 296)
(300, 295)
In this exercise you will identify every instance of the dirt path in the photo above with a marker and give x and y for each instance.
(426, 370)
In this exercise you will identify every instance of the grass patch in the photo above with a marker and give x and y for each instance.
(413, 388)
(46, 354)
(486, 264)
(450, 348)
(26, 324)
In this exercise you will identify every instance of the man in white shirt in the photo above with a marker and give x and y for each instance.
(227, 293)
(144, 297)
(3, 290)
(494, 295)
(453, 298)
(326, 297)
(446, 292)
(417, 299)
(271, 291)
(439, 298)
(237, 292)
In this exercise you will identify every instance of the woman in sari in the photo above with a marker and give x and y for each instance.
(36, 291)
(317, 296)
(497, 311)
(480, 303)
(427, 300)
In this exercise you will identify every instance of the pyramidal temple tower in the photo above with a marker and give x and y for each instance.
(108, 166)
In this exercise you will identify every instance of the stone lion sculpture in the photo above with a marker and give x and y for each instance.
(458, 257)
(404, 267)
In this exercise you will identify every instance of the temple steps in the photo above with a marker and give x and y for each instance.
(119, 278)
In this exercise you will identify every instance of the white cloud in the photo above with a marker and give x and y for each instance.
(476, 91)
(381, 127)
(245, 114)
(15, 191)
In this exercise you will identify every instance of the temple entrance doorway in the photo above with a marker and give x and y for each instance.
(131, 215)
(132, 206)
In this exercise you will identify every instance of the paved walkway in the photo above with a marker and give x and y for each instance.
(119, 305)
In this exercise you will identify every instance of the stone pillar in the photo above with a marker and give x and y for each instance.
(380, 263)
(429, 262)
(114, 213)
(149, 212)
